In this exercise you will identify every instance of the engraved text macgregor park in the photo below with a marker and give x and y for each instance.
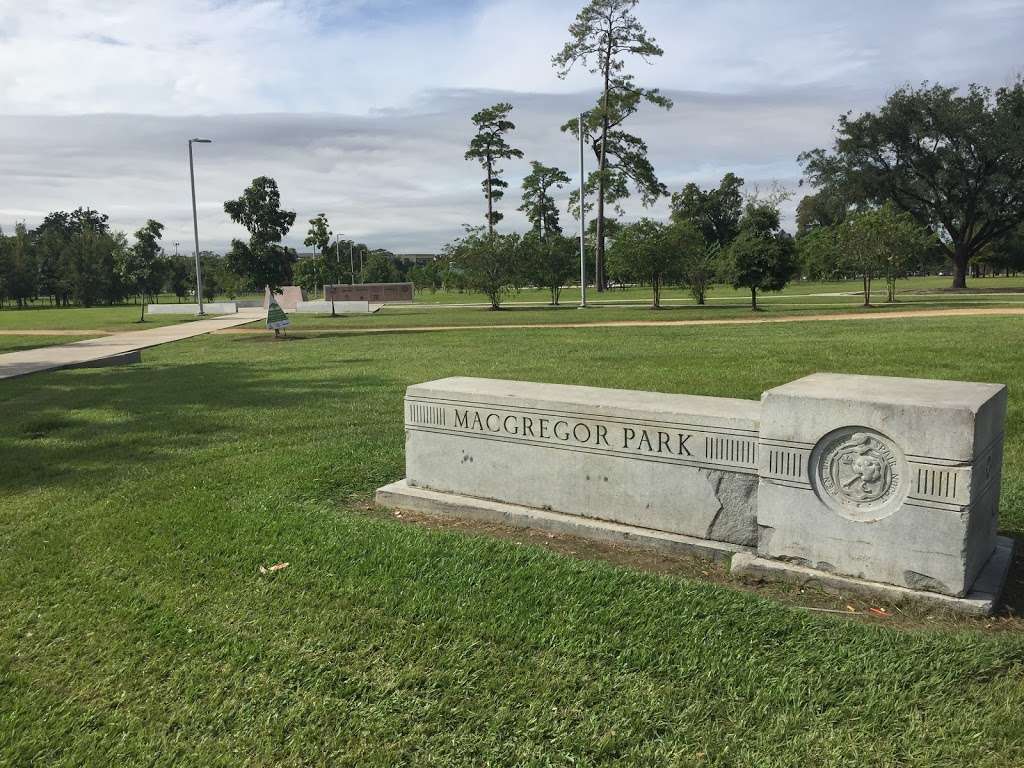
(637, 438)
(862, 483)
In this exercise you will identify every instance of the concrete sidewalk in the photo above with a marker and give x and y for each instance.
(117, 344)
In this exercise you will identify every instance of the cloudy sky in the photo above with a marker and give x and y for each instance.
(360, 108)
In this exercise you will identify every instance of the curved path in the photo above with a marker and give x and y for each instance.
(895, 315)
(115, 345)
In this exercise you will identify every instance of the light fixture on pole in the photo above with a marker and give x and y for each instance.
(583, 228)
(195, 220)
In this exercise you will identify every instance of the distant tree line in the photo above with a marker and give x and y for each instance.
(934, 180)
(76, 258)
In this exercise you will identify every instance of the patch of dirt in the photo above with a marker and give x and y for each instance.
(850, 607)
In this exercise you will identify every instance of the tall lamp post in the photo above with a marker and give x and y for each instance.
(195, 220)
(583, 228)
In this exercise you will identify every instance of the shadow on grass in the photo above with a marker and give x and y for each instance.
(73, 428)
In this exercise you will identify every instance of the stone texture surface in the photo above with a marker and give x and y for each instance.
(858, 479)
(981, 600)
(674, 463)
(885, 479)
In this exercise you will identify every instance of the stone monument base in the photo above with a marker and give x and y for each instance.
(401, 495)
(981, 600)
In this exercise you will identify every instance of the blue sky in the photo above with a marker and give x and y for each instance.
(361, 108)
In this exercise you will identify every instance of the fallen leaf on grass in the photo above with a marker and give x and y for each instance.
(274, 567)
(851, 609)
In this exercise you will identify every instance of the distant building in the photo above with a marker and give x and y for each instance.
(416, 259)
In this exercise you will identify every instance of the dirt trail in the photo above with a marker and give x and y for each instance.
(897, 315)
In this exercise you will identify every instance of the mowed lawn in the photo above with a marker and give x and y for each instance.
(137, 505)
(122, 317)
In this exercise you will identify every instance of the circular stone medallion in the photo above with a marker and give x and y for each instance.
(858, 473)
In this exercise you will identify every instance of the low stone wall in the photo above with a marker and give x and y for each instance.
(374, 293)
(883, 481)
(211, 308)
(339, 308)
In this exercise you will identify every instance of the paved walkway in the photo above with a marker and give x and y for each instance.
(753, 319)
(92, 350)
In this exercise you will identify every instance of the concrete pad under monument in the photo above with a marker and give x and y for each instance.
(890, 484)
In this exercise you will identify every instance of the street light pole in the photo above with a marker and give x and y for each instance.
(583, 229)
(352, 263)
(195, 221)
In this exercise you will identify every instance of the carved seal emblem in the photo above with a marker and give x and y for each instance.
(858, 473)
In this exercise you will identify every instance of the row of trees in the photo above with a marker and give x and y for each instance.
(951, 161)
(75, 257)
(754, 253)
(601, 37)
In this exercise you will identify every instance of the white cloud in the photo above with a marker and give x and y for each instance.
(360, 108)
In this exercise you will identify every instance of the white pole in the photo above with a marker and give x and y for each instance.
(583, 229)
(195, 229)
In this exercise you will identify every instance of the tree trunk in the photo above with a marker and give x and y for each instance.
(753, 299)
(490, 205)
(867, 291)
(960, 259)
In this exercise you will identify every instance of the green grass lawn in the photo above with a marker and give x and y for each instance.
(19, 343)
(137, 504)
(405, 316)
(117, 318)
(726, 293)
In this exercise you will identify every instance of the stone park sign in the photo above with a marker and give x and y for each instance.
(858, 483)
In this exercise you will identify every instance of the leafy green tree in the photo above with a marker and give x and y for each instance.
(263, 261)
(538, 204)
(20, 269)
(818, 211)
(379, 267)
(91, 259)
(602, 35)
(211, 264)
(716, 212)
(548, 260)
(1007, 253)
(881, 242)
(489, 148)
(179, 276)
(59, 266)
(139, 266)
(954, 160)
(429, 276)
(319, 235)
(818, 254)
(762, 257)
(700, 261)
(651, 252)
(310, 274)
(487, 262)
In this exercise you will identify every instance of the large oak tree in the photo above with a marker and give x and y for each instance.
(953, 159)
